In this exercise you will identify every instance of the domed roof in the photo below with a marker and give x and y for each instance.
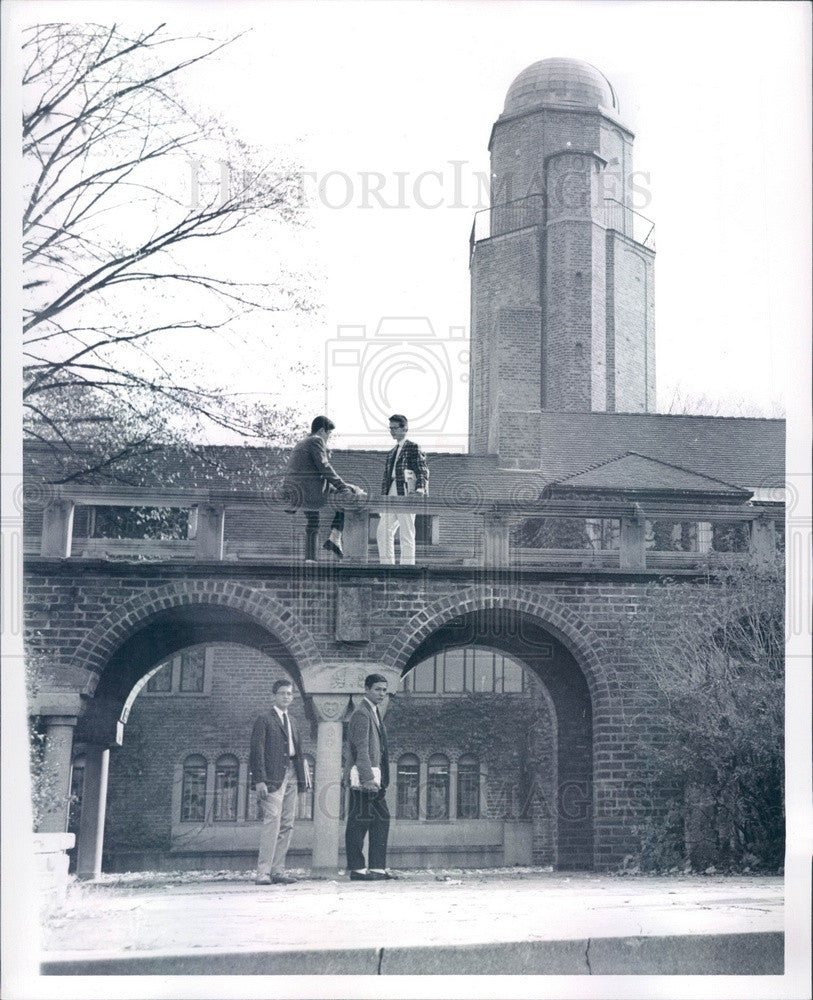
(560, 81)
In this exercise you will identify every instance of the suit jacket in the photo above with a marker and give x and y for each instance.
(367, 747)
(309, 475)
(411, 458)
(268, 757)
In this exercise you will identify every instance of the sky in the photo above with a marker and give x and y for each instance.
(388, 110)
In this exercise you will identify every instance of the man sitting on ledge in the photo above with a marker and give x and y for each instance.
(309, 480)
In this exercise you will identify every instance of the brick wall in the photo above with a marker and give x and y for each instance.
(79, 610)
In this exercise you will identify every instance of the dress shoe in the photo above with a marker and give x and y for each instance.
(377, 876)
(262, 880)
(283, 879)
(335, 548)
(361, 877)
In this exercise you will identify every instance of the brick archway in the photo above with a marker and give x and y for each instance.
(96, 649)
(554, 616)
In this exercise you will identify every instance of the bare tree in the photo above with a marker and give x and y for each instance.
(132, 226)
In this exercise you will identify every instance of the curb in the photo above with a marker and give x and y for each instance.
(755, 954)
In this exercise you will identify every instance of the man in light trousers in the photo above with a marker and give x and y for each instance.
(405, 473)
(278, 772)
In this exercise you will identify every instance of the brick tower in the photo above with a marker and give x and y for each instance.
(561, 266)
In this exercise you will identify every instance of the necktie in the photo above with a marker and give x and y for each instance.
(287, 727)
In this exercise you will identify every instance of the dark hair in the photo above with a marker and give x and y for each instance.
(371, 679)
(284, 683)
(322, 424)
(400, 419)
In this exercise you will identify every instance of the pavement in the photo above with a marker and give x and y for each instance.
(500, 922)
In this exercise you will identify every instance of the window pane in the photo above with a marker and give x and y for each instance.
(483, 669)
(162, 681)
(193, 791)
(407, 800)
(453, 672)
(225, 804)
(437, 788)
(424, 676)
(468, 788)
(193, 663)
(511, 675)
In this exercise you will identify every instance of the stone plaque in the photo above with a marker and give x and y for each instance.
(353, 606)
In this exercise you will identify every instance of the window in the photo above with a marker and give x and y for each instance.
(437, 788)
(468, 788)
(161, 680)
(454, 670)
(193, 790)
(227, 771)
(470, 668)
(511, 674)
(483, 669)
(193, 669)
(423, 676)
(408, 784)
(304, 802)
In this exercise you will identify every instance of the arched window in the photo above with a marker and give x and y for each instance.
(408, 781)
(193, 790)
(437, 787)
(304, 802)
(468, 788)
(227, 770)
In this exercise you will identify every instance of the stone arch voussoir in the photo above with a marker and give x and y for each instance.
(96, 648)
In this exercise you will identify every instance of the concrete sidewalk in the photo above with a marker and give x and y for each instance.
(459, 923)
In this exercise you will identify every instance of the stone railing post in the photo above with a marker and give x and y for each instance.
(355, 537)
(762, 543)
(211, 522)
(327, 801)
(496, 540)
(632, 553)
(57, 529)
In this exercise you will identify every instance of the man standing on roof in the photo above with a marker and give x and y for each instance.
(405, 472)
(309, 481)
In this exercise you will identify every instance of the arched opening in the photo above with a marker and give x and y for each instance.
(179, 696)
(507, 702)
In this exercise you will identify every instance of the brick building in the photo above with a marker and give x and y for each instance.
(518, 706)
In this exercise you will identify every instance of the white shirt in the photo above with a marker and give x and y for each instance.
(282, 716)
(398, 448)
(376, 716)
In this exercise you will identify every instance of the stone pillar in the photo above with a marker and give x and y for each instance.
(94, 807)
(496, 540)
(209, 535)
(57, 530)
(763, 541)
(327, 830)
(633, 543)
(58, 753)
(355, 537)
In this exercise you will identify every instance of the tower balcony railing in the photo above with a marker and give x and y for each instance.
(543, 534)
(530, 211)
(508, 218)
(628, 222)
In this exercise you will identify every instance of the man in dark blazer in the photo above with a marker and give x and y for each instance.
(405, 472)
(309, 480)
(278, 773)
(368, 774)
